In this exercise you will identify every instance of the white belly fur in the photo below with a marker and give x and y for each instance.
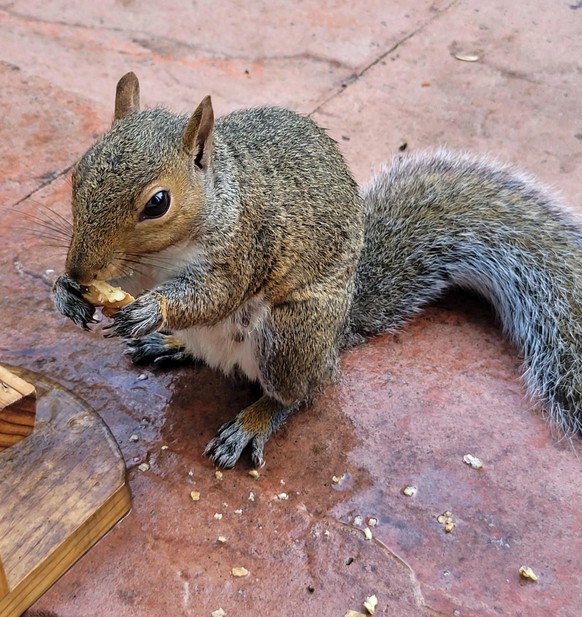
(231, 343)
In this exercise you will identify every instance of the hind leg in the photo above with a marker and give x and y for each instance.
(297, 354)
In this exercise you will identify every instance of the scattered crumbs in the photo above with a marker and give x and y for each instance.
(218, 516)
(409, 491)
(282, 497)
(446, 519)
(372, 521)
(253, 473)
(144, 467)
(164, 447)
(134, 437)
(239, 572)
(472, 461)
(367, 533)
(221, 539)
(370, 604)
(142, 377)
(195, 495)
(218, 474)
(251, 496)
(218, 613)
(239, 511)
(527, 573)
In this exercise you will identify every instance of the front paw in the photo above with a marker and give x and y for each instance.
(140, 318)
(68, 299)
(163, 350)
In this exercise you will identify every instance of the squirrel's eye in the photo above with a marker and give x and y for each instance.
(157, 205)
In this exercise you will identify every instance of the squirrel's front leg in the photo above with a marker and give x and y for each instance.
(196, 298)
(146, 314)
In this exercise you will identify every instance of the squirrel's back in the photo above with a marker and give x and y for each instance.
(436, 221)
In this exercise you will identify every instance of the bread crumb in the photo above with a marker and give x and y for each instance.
(253, 473)
(370, 604)
(409, 491)
(527, 573)
(472, 461)
(218, 516)
(144, 467)
(239, 572)
(195, 495)
(446, 519)
(367, 533)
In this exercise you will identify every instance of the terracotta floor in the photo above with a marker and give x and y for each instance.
(378, 74)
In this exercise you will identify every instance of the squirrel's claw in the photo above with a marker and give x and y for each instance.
(138, 319)
(161, 349)
(68, 299)
(230, 441)
(252, 426)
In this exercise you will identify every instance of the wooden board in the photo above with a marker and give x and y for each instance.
(61, 489)
(17, 408)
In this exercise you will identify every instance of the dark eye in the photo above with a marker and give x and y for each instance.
(157, 205)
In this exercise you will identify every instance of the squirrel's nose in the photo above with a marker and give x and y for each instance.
(79, 275)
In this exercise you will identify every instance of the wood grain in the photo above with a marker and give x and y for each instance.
(61, 489)
(17, 408)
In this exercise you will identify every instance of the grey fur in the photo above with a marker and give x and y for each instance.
(435, 221)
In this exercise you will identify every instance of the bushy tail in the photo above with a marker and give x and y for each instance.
(436, 221)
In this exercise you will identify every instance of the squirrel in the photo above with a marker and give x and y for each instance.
(257, 252)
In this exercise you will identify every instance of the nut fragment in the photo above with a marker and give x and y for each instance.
(446, 519)
(221, 539)
(472, 461)
(218, 613)
(282, 497)
(527, 573)
(218, 516)
(253, 473)
(467, 57)
(239, 572)
(409, 491)
(195, 495)
(218, 474)
(101, 293)
(367, 533)
(370, 604)
(144, 467)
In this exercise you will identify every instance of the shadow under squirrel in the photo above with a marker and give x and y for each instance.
(262, 255)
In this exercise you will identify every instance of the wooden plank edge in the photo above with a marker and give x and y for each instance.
(13, 381)
(29, 590)
(3, 583)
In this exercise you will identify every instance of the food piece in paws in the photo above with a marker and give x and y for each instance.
(109, 298)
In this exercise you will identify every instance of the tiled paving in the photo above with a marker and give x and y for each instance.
(377, 74)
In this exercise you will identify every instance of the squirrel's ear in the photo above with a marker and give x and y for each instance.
(126, 96)
(197, 137)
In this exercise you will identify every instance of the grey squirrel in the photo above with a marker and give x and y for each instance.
(263, 256)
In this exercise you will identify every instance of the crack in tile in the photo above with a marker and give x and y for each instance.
(357, 75)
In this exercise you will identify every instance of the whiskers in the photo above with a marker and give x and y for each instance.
(48, 225)
(150, 268)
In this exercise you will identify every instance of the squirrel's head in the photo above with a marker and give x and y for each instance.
(138, 190)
